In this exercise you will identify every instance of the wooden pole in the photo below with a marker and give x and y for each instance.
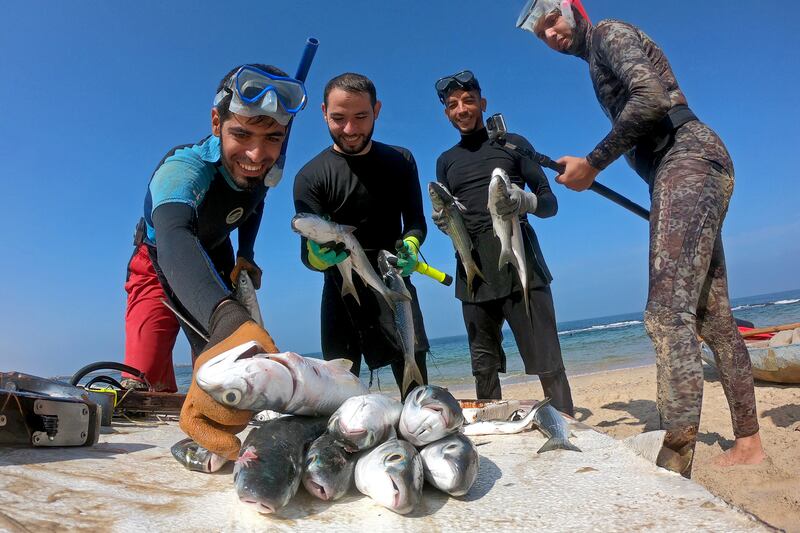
(769, 329)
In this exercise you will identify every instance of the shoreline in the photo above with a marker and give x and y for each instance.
(621, 403)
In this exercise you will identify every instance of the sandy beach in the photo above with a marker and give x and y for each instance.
(622, 403)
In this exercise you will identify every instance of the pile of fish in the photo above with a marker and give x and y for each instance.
(385, 448)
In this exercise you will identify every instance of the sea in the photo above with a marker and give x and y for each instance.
(588, 346)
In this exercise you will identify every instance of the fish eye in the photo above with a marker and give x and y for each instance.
(394, 458)
(451, 447)
(232, 397)
(311, 460)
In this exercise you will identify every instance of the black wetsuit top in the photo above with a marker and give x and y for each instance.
(466, 170)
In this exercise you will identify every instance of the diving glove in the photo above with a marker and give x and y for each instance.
(212, 425)
(250, 267)
(519, 202)
(324, 256)
(407, 251)
(440, 220)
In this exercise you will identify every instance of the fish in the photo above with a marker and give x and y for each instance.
(329, 468)
(245, 293)
(196, 458)
(392, 475)
(500, 427)
(512, 246)
(429, 414)
(320, 230)
(403, 320)
(269, 468)
(365, 421)
(246, 378)
(451, 464)
(442, 200)
(552, 424)
(647, 445)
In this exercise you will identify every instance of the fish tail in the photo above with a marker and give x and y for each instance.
(554, 443)
(507, 257)
(349, 288)
(411, 374)
(472, 272)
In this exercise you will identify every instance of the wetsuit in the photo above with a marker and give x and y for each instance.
(377, 193)
(183, 254)
(466, 170)
(690, 175)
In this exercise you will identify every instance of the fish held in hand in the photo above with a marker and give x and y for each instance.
(392, 475)
(246, 378)
(451, 209)
(329, 468)
(403, 320)
(365, 421)
(319, 230)
(429, 414)
(269, 469)
(451, 464)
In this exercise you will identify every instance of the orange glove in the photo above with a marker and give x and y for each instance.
(250, 267)
(212, 425)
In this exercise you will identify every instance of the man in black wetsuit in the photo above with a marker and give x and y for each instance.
(690, 175)
(373, 187)
(466, 170)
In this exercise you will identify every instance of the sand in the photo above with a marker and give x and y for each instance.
(622, 403)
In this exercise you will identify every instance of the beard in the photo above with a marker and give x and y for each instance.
(339, 142)
(476, 125)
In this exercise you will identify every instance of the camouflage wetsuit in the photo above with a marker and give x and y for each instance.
(690, 175)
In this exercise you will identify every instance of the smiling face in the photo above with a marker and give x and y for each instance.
(351, 120)
(249, 146)
(465, 110)
(555, 31)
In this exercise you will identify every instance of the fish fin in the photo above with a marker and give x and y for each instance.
(558, 444)
(647, 444)
(412, 374)
(344, 364)
(461, 207)
(347, 229)
(507, 257)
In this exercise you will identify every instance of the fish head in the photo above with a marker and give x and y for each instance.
(265, 486)
(314, 227)
(392, 475)
(430, 413)
(363, 421)
(451, 464)
(196, 458)
(439, 194)
(244, 378)
(502, 175)
(328, 471)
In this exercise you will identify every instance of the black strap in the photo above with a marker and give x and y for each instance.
(676, 117)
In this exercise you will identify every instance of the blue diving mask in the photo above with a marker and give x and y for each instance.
(255, 93)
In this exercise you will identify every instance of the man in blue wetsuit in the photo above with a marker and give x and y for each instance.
(198, 195)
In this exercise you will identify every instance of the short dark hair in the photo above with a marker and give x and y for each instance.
(352, 83)
(223, 107)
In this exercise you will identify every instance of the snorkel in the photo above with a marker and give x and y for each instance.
(275, 174)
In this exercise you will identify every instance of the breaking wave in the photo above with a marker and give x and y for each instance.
(599, 327)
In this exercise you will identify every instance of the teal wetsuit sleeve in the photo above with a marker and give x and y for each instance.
(183, 178)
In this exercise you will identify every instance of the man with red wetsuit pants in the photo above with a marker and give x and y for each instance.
(196, 198)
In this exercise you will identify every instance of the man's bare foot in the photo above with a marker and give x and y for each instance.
(745, 451)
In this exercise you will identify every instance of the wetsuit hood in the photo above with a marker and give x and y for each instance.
(581, 37)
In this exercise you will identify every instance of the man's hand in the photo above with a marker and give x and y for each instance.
(407, 251)
(578, 174)
(440, 219)
(212, 425)
(518, 202)
(326, 255)
(250, 267)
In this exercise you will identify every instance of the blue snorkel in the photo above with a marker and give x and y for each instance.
(276, 172)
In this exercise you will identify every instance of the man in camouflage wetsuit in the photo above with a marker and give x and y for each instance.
(690, 175)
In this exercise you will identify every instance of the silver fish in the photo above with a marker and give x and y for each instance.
(246, 378)
(268, 471)
(392, 475)
(442, 200)
(429, 414)
(512, 246)
(320, 230)
(365, 421)
(552, 424)
(196, 458)
(451, 464)
(245, 293)
(500, 427)
(403, 320)
(330, 468)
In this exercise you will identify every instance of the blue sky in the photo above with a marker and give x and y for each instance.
(95, 93)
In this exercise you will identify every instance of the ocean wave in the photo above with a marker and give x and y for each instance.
(755, 306)
(785, 302)
(598, 327)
